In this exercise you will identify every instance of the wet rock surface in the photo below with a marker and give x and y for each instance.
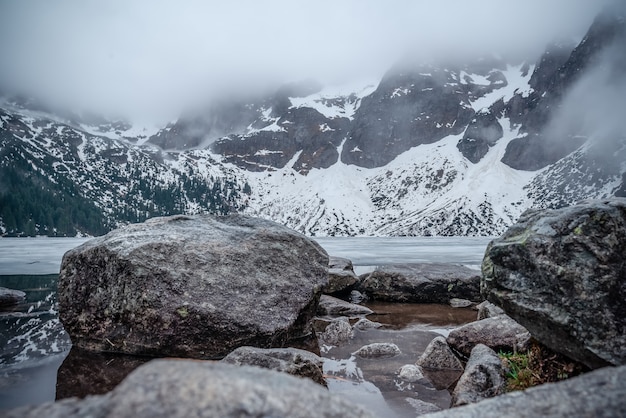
(184, 388)
(422, 283)
(191, 286)
(596, 394)
(331, 306)
(341, 276)
(561, 274)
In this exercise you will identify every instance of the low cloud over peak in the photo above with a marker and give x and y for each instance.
(151, 59)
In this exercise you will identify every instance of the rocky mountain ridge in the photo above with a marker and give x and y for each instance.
(431, 149)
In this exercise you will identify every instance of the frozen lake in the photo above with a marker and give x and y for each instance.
(43, 255)
(33, 344)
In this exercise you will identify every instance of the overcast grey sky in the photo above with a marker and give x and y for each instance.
(151, 58)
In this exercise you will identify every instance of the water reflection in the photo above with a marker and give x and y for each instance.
(375, 383)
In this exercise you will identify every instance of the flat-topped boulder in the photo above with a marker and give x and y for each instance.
(498, 332)
(191, 286)
(561, 274)
(422, 283)
(341, 276)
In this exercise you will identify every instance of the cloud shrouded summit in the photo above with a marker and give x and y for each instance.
(151, 59)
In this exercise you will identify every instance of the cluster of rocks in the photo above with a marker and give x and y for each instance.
(216, 287)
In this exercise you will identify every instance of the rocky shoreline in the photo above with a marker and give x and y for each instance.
(244, 289)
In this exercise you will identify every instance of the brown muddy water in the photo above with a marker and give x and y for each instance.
(37, 364)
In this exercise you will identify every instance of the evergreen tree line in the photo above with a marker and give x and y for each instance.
(31, 204)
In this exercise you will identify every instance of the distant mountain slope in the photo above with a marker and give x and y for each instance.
(431, 149)
(58, 180)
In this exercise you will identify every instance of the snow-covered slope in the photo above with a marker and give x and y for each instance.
(430, 149)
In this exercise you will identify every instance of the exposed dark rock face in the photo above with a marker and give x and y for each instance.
(409, 108)
(422, 283)
(184, 388)
(287, 360)
(552, 80)
(561, 274)
(195, 287)
(298, 129)
(483, 132)
(483, 377)
(596, 394)
(499, 333)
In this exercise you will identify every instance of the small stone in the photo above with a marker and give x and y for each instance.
(487, 309)
(410, 373)
(364, 324)
(336, 333)
(378, 350)
(460, 303)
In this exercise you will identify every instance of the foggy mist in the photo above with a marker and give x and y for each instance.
(149, 60)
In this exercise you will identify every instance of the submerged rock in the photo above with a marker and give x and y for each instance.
(422, 283)
(561, 274)
(191, 286)
(287, 360)
(188, 388)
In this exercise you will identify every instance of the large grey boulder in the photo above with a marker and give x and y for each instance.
(598, 394)
(422, 283)
(191, 388)
(191, 286)
(561, 274)
(499, 333)
(484, 377)
(287, 360)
